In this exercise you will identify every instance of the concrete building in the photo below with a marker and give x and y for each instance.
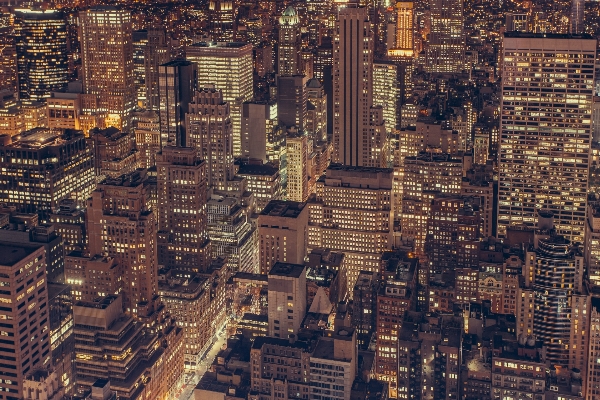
(297, 170)
(177, 83)
(446, 45)
(105, 33)
(39, 187)
(227, 66)
(283, 233)
(114, 152)
(183, 241)
(524, 187)
(289, 43)
(22, 354)
(287, 299)
(264, 181)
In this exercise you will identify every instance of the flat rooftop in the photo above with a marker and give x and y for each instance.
(288, 270)
(12, 254)
(255, 169)
(282, 208)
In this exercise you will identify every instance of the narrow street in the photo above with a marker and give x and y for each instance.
(192, 379)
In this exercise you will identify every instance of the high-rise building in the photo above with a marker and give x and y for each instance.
(147, 137)
(121, 226)
(297, 170)
(577, 20)
(446, 44)
(405, 31)
(140, 43)
(41, 44)
(264, 181)
(544, 164)
(209, 129)
(156, 53)
(292, 101)
(351, 213)
(177, 82)
(553, 272)
(359, 137)
(289, 44)
(53, 165)
(114, 152)
(182, 195)
(229, 68)
(222, 20)
(593, 367)
(287, 299)
(107, 60)
(29, 349)
(316, 111)
(388, 92)
(283, 233)
(517, 22)
(262, 137)
(231, 234)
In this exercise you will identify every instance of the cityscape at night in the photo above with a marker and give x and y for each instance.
(299, 199)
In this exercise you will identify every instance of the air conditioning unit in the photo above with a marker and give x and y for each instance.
(554, 388)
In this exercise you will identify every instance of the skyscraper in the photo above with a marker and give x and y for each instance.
(177, 83)
(156, 53)
(546, 131)
(577, 20)
(358, 129)
(41, 43)
(29, 349)
(107, 59)
(229, 67)
(222, 20)
(209, 129)
(140, 43)
(288, 59)
(297, 171)
(446, 45)
(405, 22)
(182, 195)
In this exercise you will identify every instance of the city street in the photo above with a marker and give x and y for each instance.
(192, 379)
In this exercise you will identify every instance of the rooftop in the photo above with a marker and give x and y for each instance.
(255, 169)
(12, 254)
(282, 208)
(288, 270)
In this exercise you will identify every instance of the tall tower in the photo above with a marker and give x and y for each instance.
(288, 60)
(157, 53)
(356, 141)
(121, 225)
(176, 83)
(107, 56)
(405, 22)
(182, 195)
(577, 20)
(446, 48)
(545, 132)
(222, 20)
(41, 43)
(208, 128)
(229, 67)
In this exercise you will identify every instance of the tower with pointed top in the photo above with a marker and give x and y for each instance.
(288, 60)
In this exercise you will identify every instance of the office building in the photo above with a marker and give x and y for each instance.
(231, 234)
(289, 44)
(69, 223)
(41, 167)
(264, 181)
(387, 91)
(283, 233)
(107, 65)
(517, 22)
(316, 111)
(403, 44)
(176, 86)
(592, 387)
(121, 226)
(209, 129)
(113, 345)
(114, 152)
(156, 53)
(140, 43)
(446, 45)
(577, 20)
(182, 222)
(29, 349)
(228, 67)
(147, 137)
(41, 47)
(222, 18)
(364, 303)
(297, 168)
(64, 109)
(292, 101)
(560, 146)
(359, 137)
(426, 176)
(287, 299)
(351, 213)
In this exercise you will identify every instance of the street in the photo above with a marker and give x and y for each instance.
(192, 379)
